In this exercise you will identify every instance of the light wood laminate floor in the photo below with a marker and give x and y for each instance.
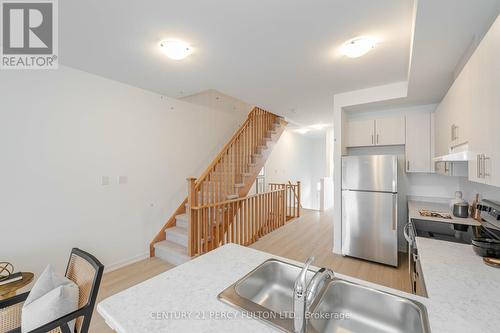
(311, 234)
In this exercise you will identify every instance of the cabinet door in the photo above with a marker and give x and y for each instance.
(494, 97)
(463, 95)
(418, 142)
(441, 125)
(390, 131)
(360, 132)
(489, 92)
(484, 119)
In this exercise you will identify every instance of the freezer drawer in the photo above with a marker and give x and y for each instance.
(369, 226)
(370, 173)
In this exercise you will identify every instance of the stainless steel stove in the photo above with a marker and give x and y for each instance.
(490, 213)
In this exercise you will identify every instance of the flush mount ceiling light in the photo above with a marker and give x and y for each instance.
(358, 46)
(175, 49)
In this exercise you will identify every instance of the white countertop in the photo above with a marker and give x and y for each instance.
(464, 293)
(191, 289)
(414, 206)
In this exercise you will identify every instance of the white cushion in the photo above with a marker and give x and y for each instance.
(52, 297)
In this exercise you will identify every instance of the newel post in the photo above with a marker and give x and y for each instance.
(190, 213)
(298, 198)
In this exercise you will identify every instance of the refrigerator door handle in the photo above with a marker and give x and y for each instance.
(394, 211)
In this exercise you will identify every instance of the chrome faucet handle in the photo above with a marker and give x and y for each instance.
(316, 284)
(299, 298)
(300, 282)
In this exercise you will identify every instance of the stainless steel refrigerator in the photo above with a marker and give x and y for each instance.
(370, 208)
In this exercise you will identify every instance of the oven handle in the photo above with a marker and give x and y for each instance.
(406, 233)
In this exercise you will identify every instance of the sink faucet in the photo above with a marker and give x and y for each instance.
(304, 294)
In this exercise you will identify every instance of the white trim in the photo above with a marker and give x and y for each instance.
(125, 262)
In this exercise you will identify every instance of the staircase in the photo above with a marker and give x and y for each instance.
(217, 200)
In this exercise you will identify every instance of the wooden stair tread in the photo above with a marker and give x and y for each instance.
(181, 231)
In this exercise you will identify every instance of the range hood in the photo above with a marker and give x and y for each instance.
(459, 153)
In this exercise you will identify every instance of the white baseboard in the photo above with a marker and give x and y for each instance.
(125, 262)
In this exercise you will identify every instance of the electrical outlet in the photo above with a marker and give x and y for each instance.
(122, 180)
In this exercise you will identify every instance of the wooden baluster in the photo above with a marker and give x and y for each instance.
(275, 210)
(191, 203)
(230, 223)
(217, 220)
(266, 212)
(283, 206)
(199, 247)
(273, 202)
(257, 219)
(252, 220)
(245, 218)
(298, 198)
(261, 215)
(233, 222)
(223, 225)
(242, 222)
(226, 182)
(238, 219)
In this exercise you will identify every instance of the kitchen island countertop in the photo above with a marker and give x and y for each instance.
(464, 293)
(188, 294)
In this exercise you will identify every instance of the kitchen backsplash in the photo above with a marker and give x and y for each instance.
(469, 190)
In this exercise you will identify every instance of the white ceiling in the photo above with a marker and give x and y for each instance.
(278, 54)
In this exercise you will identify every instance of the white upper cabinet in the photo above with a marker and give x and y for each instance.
(485, 119)
(390, 131)
(442, 126)
(418, 142)
(360, 132)
(375, 132)
(470, 111)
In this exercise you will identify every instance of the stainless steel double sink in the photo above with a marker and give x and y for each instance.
(266, 293)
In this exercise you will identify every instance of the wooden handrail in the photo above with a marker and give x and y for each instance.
(232, 200)
(225, 148)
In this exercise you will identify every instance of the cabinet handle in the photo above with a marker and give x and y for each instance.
(408, 165)
(481, 166)
(485, 174)
(478, 166)
(377, 138)
(373, 142)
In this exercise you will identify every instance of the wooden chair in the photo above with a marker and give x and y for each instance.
(83, 269)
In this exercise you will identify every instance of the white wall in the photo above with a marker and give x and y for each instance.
(298, 157)
(214, 99)
(60, 131)
(470, 189)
